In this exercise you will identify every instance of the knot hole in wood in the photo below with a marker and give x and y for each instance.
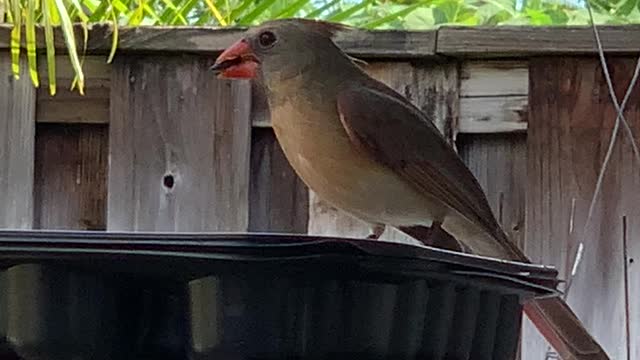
(168, 181)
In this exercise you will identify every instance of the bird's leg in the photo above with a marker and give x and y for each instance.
(376, 231)
(440, 238)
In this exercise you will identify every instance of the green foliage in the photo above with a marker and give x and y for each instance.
(370, 14)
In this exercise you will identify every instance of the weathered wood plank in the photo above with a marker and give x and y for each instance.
(179, 147)
(513, 41)
(383, 44)
(503, 41)
(494, 78)
(493, 96)
(567, 139)
(380, 43)
(71, 177)
(630, 179)
(70, 107)
(493, 114)
(260, 116)
(279, 200)
(433, 87)
(499, 162)
(92, 107)
(17, 136)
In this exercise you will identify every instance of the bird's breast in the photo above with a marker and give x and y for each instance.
(318, 148)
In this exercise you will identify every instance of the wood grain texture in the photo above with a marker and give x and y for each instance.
(71, 177)
(17, 136)
(570, 122)
(503, 41)
(513, 41)
(279, 200)
(69, 107)
(179, 147)
(493, 96)
(196, 39)
(493, 114)
(494, 78)
(388, 43)
(92, 107)
(499, 162)
(433, 87)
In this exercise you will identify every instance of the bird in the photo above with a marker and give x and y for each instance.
(367, 150)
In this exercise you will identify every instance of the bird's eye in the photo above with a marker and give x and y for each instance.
(267, 39)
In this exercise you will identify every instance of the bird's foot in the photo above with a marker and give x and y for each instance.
(376, 231)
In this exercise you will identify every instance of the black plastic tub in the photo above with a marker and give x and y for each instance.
(96, 295)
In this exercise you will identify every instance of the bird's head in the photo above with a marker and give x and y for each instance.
(277, 49)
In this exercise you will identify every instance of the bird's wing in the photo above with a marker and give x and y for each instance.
(397, 134)
(387, 127)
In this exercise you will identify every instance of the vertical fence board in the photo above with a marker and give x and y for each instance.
(279, 200)
(571, 119)
(17, 134)
(630, 183)
(71, 177)
(179, 147)
(625, 193)
(433, 87)
(499, 162)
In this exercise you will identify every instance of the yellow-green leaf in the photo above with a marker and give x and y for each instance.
(31, 42)
(47, 9)
(15, 37)
(114, 38)
(70, 40)
(216, 13)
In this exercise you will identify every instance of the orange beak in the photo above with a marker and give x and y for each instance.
(237, 62)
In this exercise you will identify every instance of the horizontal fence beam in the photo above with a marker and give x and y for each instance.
(527, 41)
(502, 41)
(361, 43)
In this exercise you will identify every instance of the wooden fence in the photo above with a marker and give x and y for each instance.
(158, 143)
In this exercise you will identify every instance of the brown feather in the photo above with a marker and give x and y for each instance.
(401, 137)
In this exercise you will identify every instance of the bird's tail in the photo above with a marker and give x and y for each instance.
(563, 330)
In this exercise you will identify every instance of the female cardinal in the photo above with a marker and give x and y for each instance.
(365, 149)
